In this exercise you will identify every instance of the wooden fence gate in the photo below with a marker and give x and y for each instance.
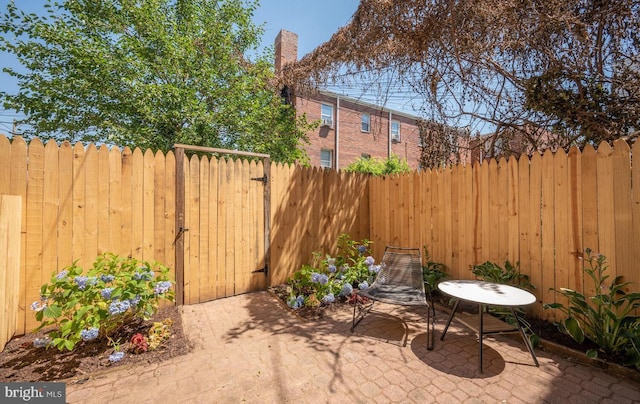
(222, 224)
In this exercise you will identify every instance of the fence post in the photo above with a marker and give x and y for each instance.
(179, 240)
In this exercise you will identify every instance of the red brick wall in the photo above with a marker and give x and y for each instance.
(352, 141)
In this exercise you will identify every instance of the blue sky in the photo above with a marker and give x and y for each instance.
(313, 21)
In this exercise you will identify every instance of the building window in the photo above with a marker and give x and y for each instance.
(365, 123)
(395, 131)
(326, 158)
(327, 115)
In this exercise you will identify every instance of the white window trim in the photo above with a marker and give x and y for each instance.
(397, 136)
(330, 158)
(325, 120)
(368, 123)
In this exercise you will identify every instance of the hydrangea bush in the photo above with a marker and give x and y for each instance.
(330, 278)
(95, 305)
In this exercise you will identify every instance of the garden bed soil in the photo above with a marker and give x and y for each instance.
(20, 361)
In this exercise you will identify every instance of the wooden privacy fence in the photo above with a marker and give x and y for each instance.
(542, 212)
(79, 201)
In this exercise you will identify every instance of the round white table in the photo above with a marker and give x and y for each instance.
(492, 294)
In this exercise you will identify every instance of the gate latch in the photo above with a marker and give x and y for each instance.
(262, 179)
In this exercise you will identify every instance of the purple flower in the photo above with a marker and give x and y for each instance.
(106, 293)
(328, 299)
(134, 302)
(331, 261)
(116, 357)
(162, 287)
(362, 249)
(119, 306)
(143, 273)
(107, 278)
(319, 278)
(41, 342)
(347, 289)
(81, 281)
(374, 269)
(62, 274)
(88, 335)
(364, 285)
(35, 306)
(296, 302)
(332, 268)
(369, 261)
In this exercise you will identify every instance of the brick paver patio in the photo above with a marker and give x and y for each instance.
(249, 348)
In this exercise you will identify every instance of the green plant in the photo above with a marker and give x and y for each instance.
(509, 275)
(607, 318)
(379, 166)
(159, 332)
(329, 278)
(97, 304)
(433, 272)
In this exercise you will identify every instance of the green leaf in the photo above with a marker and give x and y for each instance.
(592, 353)
(52, 311)
(573, 328)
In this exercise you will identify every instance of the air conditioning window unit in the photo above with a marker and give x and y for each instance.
(327, 123)
(395, 137)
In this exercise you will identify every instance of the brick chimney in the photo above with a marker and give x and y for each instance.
(286, 49)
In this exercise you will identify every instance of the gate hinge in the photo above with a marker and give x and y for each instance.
(262, 179)
(265, 270)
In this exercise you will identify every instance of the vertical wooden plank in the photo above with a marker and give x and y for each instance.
(548, 231)
(78, 243)
(562, 223)
(606, 207)
(170, 187)
(50, 204)
(513, 228)
(65, 210)
(5, 165)
(535, 233)
(276, 224)
(115, 202)
(589, 167)
(159, 208)
(10, 222)
(634, 276)
(102, 203)
(206, 284)
(223, 190)
(446, 205)
(18, 186)
(484, 188)
(35, 194)
(438, 252)
(179, 240)
(243, 269)
(524, 218)
(148, 197)
(574, 165)
(192, 209)
(91, 212)
(467, 224)
(622, 212)
(496, 212)
(230, 180)
(214, 261)
(127, 203)
(137, 204)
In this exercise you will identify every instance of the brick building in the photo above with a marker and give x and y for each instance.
(350, 128)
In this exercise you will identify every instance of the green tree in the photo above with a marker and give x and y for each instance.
(379, 166)
(149, 73)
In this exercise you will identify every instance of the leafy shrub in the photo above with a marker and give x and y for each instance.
(97, 304)
(379, 166)
(607, 317)
(328, 278)
(509, 275)
(433, 272)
